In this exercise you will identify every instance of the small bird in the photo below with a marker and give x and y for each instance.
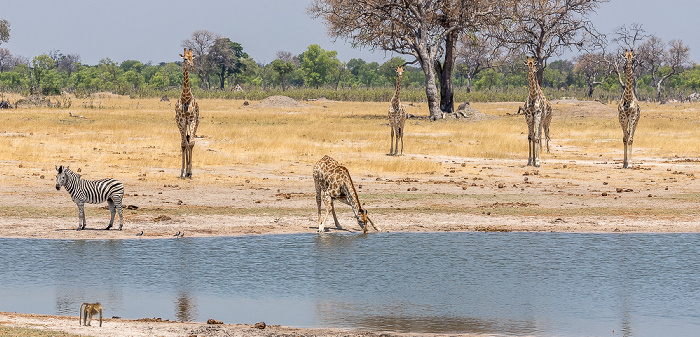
(182, 235)
(177, 234)
(139, 234)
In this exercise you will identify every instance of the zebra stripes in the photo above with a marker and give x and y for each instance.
(92, 192)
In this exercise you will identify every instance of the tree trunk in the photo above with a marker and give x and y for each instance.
(444, 72)
(469, 84)
(427, 63)
(432, 93)
(222, 77)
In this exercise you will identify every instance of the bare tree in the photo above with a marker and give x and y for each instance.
(592, 67)
(626, 38)
(544, 28)
(287, 56)
(671, 62)
(476, 53)
(200, 42)
(69, 63)
(6, 59)
(428, 30)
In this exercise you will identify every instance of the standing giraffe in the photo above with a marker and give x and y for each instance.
(538, 115)
(187, 116)
(397, 116)
(333, 182)
(628, 110)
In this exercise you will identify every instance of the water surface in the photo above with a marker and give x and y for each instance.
(492, 283)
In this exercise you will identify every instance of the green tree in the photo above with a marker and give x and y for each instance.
(40, 66)
(227, 56)
(318, 65)
(283, 69)
(51, 83)
(388, 71)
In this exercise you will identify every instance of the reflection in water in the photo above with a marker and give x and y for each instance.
(481, 283)
(185, 303)
(185, 307)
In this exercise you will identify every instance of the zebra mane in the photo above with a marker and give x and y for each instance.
(66, 170)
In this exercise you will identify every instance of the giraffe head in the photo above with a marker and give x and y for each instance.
(629, 55)
(531, 64)
(188, 59)
(399, 70)
(364, 220)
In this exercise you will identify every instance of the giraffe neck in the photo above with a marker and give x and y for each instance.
(351, 193)
(395, 100)
(186, 95)
(628, 94)
(533, 84)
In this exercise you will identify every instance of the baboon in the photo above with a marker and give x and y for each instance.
(86, 312)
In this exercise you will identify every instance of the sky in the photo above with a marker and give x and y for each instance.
(150, 30)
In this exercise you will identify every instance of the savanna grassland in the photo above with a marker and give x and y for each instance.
(252, 168)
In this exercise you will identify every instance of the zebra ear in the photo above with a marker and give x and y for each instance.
(59, 169)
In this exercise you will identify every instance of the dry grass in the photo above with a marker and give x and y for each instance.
(135, 136)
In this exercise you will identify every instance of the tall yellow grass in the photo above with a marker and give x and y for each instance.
(138, 135)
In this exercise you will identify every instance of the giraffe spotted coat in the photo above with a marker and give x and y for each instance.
(333, 182)
(187, 116)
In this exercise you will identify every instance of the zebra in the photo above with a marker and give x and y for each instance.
(92, 192)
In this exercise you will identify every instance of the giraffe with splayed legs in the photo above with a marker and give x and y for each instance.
(397, 117)
(628, 111)
(538, 115)
(187, 116)
(333, 182)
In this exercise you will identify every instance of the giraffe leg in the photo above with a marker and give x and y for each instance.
(190, 147)
(391, 151)
(335, 218)
(329, 206)
(184, 154)
(396, 148)
(318, 196)
(112, 211)
(546, 136)
(401, 135)
(538, 141)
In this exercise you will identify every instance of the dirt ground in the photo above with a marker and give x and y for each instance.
(659, 195)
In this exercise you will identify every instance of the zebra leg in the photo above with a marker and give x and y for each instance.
(110, 202)
(81, 215)
(121, 213)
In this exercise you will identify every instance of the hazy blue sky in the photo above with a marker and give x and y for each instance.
(149, 30)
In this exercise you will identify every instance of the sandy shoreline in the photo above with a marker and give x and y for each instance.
(147, 327)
